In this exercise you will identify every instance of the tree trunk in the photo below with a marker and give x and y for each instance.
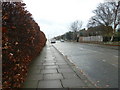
(113, 34)
(115, 24)
(111, 38)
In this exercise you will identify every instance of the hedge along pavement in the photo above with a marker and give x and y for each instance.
(22, 41)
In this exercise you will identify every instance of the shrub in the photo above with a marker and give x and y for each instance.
(22, 41)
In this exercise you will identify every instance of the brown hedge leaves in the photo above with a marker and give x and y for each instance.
(22, 41)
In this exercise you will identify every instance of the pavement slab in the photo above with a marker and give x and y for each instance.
(46, 71)
(64, 66)
(61, 63)
(48, 63)
(35, 71)
(31, 84)
(52, 70)
(70, 76)
(35, 77)
(72, 83)
(50, 84)
(53, 76)
(65, 70)
(51, 67)
(52, 89)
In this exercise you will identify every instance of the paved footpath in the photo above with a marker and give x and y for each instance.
(52, 70)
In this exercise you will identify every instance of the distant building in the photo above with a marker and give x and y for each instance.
(95, 31)
(83, 32)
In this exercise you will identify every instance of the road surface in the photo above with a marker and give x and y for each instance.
(99, 63)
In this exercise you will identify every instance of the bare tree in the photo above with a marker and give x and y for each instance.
(75, 27)
(116, 20)
(103, 15)
(107, 14)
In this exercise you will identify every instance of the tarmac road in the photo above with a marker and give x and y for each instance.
(99, 63)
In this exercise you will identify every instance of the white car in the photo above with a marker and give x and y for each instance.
(53, 41)
(62, 40)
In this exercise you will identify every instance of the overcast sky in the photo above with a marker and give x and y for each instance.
(55, 16)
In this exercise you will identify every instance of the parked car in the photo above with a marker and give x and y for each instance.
(62, 40)
(53, 41)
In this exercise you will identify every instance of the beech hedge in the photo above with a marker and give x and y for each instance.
(22, 41)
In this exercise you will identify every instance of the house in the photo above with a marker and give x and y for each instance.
(95, 33)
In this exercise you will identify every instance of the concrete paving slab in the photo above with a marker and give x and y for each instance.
(49, 71)
(35, 77)
(53, 76)
(79, 88)
(64, 66)
(35, 71)
(61, 63)
(63, 70)
(50, 84)
(58, 56)
(49, 58)
(30, 84)
(36, 68)
(70, 76)
(59, 60)
(38, 63)
(72, 83)
(48, 63)
(51, 67)
(52, 89)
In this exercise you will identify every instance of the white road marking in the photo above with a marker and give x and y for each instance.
(81, 48)
(95, 51)
(116, 56)
(114, 65)
(104, 60)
